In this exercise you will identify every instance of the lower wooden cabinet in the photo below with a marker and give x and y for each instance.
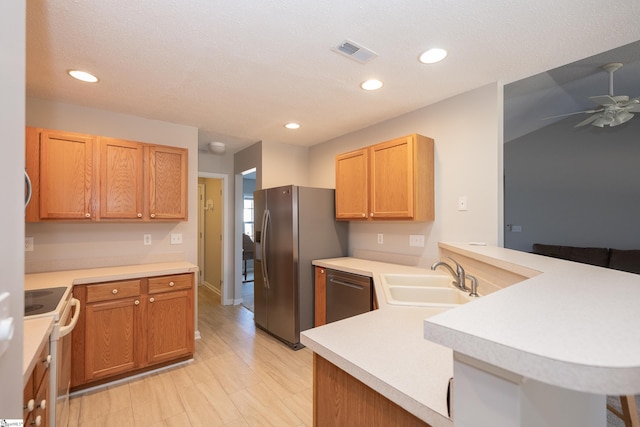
(341, 400)
(36, 392)
(132, 325)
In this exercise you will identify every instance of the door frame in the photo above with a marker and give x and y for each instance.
(226, 296)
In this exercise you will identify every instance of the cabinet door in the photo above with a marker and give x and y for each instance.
(113, 337)
(167, 183)
(391, 183)
(351, 185)
(121, 175)
(66, 175)
(170, 326)
(320, 282)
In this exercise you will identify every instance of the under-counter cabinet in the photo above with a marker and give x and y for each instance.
(339, 399)
(92, 178)
(132, 325)
(393, 180)
(36, 392)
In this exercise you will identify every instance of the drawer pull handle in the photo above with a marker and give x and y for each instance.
(31, 405)
(87, 215)
(171, 283)
(43, 404)
(115, 291)
(37, 421)
(151, 299)
(47, 361)
(153, 215)
(137, 302)
(139, 215)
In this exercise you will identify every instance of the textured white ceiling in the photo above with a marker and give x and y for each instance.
(238, 70)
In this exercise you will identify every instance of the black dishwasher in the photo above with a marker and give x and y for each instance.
(347, 295)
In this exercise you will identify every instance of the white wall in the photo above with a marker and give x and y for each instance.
(467, 130)
(12, 84)
(284, 164)
(62, 246)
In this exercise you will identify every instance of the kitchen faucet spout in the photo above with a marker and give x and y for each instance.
(458, 275)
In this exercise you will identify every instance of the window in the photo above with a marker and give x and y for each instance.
(248, 217)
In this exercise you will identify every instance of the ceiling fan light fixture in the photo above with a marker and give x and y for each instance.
(621, 117)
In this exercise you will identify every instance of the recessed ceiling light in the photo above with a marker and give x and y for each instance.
(292, 125)
(433, 55)
(83, 75)
(371, 84)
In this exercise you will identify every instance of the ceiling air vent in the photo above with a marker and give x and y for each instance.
(355, 51)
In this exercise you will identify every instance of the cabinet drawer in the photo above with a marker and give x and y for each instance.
(113, 290)
(42, 366)
(170, 283)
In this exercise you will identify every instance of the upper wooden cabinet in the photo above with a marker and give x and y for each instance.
(121, 173)
(86, 177)
(392, 180)
(167, 182)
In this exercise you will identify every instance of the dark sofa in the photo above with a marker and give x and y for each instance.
(618, 259)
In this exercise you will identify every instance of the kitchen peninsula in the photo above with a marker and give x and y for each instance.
(560, 326)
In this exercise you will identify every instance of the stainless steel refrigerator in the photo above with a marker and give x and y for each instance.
(294, 225)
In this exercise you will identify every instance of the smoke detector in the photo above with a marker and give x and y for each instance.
(355, 51)
(217, 147)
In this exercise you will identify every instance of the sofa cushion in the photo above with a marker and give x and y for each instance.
(593, 256)
(625, 260)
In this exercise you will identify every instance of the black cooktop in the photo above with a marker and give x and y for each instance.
(40, 301)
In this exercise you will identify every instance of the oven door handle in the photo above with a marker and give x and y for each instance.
(65, 330)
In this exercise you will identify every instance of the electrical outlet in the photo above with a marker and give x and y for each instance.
(147, 239)
(176, 238)
(380, 238)
(28, 244)
(416, 240)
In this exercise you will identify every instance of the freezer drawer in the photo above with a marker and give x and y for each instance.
(347, 295)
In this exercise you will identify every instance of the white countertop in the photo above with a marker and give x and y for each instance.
(385, 348)
(574, 326)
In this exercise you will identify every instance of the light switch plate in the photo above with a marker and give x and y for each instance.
(147, 239)
(28, 244)
(416, 240)
(463, 204)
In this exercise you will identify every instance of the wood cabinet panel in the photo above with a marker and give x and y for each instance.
(85, 177)
(36, 391)
(352, 192)
(167, 182)
(169, 329)
(341, 400)
(121, 178)
(66, 175)
(147, 322)
(320, 280)
(393, 180)
(113, 290)
(170, 283)
(112, 336)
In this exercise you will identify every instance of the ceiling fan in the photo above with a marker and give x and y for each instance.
(613, 110)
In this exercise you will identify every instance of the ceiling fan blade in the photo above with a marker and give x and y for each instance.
(588, 120)
(603, 100)
(577, 112)
(633, 105)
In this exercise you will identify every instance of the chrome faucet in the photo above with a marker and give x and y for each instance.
(458, 275)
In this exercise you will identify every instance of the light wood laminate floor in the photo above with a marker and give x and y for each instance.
(240, 377)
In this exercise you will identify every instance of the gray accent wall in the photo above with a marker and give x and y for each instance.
(574, 186)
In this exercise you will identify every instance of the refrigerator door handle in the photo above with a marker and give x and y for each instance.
(265, 226)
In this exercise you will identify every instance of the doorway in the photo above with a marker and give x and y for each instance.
(248, 237)
(210, 233)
